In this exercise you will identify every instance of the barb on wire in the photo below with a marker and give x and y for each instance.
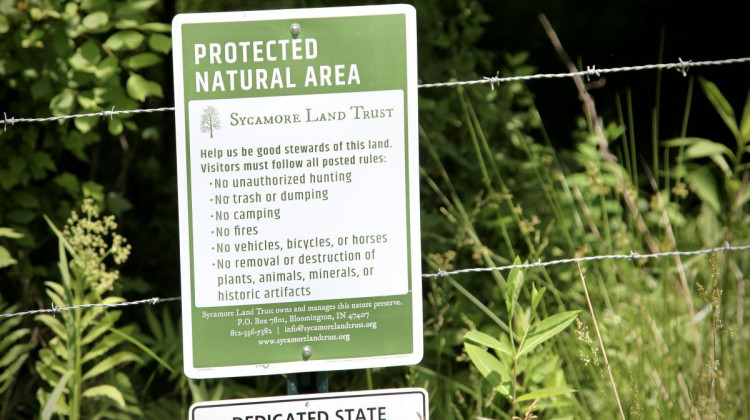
(631, 256)
(493, 81)
(57, 309)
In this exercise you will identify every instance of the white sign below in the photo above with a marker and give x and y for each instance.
(384, 404)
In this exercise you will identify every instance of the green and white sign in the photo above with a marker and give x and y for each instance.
(298, 190)
(385, 404)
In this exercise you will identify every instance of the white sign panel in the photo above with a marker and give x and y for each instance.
(387, 404)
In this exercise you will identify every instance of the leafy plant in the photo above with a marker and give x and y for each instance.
(14, 348)
(731, 164)
(5, 258)
(60, 58)
(514, 352)
(78, 361)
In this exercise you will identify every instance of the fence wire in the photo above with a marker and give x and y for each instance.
(440, 274)
(493, 81)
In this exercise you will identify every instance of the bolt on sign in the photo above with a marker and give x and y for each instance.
(298, 190)
(386, 404)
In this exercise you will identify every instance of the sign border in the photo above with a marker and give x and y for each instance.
(320, 396)
(412, 210)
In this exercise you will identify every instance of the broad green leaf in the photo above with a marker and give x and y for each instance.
(705, 148)
(105, 70)
(127, 24)
(110, 363)
(94, 22)
(160, 43)
(546, 329)
(491, 368)
(703, 183)
(721, 105)
(142, 60)
(69, 183)
(127, 40)
(157, 27)
(107, 391)
(136, 6)
(545, 393)
(49, 406)
(86, 57)
(115, 126)
(84, 125)
(93, 190)
(63, 103)
(6, 260)
(489, 341)
(87, 101)
(139, 88)
(10, 233)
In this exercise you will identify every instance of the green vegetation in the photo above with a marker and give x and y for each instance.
(495, 191)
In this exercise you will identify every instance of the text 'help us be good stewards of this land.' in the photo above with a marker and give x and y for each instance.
(260, 78)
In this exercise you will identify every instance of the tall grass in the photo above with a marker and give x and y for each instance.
(673, 328)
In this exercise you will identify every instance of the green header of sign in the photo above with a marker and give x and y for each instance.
(262, 58)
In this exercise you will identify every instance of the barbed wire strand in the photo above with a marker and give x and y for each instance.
(58, 309)
(681, 66)
(592, 71)
(632, 256)
(440, 274)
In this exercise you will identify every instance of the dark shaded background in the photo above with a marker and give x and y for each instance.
(628, 33)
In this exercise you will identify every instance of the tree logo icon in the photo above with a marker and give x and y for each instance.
(210, 121)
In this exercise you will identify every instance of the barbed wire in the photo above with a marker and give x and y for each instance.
(632, 256)
(58, 309)
(440, 274)
(592, 71)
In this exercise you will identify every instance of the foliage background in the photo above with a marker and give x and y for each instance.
(58, 57)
